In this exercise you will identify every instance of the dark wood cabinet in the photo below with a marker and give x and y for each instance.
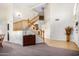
(29, 40)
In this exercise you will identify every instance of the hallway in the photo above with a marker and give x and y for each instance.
(21, 22)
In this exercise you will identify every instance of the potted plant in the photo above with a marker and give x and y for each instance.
(68, 30)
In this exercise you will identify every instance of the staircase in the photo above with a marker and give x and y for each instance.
(34, 27)
(33, 20)
(29, 24)
(26, 24)
(37, 30)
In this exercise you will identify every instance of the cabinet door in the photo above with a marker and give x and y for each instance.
(29, 40)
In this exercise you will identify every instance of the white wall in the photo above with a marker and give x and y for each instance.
(3, 28)
(78, 25)
(14, 36)
(76, 28)
(47, 16)
(64, 13)
(4, 13)
(25, 10)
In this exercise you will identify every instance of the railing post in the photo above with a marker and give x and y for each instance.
(43, 35)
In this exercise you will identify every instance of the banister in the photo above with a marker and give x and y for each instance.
(41, 32)
(34, 17)
(31, 22)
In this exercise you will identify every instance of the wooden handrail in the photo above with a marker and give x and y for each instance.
(31, 22)
(24, 23)
(34, 18)
(21, 20)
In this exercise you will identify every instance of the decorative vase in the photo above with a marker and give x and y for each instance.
(68, 33)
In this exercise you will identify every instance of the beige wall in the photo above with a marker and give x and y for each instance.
(5, 9)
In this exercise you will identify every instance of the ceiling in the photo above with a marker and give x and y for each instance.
(40, 8)
(5, 8)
